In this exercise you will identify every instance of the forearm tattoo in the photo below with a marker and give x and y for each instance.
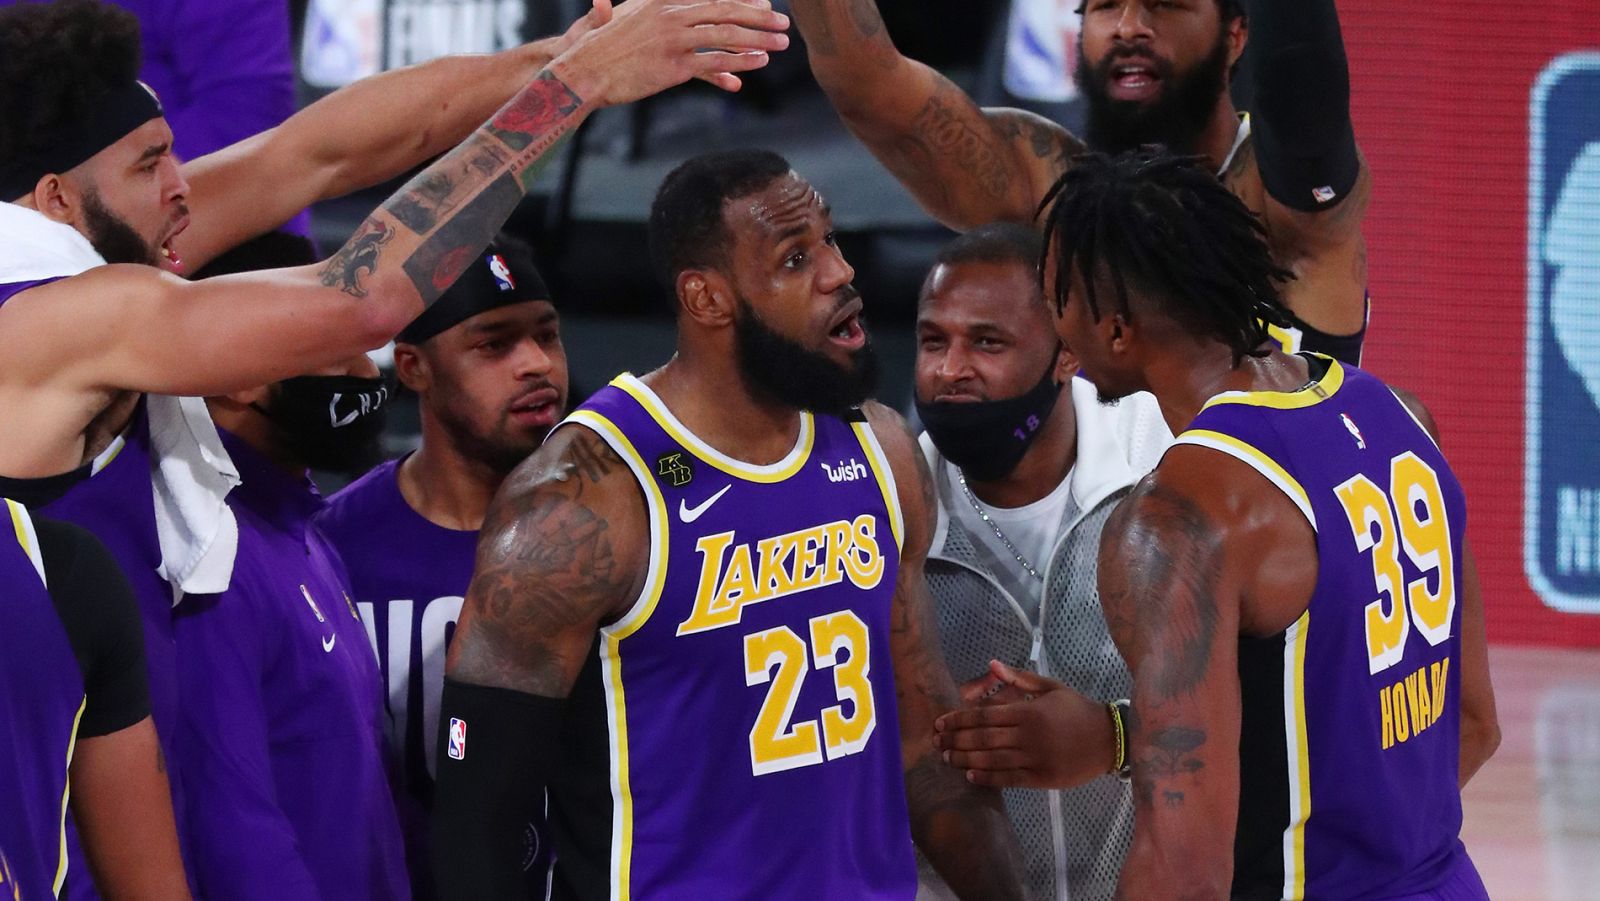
(456, 205)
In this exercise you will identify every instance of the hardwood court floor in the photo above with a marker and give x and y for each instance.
(1532, 814)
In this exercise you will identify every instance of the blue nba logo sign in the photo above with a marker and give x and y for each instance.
(1562, 478)
(458, 739)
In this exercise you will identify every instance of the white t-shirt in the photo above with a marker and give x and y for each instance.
(1032, 529)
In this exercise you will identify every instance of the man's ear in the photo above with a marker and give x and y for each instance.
(56, 198)
(1066, 364)
(411, 367)
(706, 297)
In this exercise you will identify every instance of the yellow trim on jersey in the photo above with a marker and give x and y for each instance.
(1309, 396)
(885, 477)
(66, 796)
(22, 524)
(1251, 456)
(775, 472)
(611, 647)
(1288, 338)
(1294, 723)
(105, 457)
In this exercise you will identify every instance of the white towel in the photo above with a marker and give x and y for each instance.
(191, 472)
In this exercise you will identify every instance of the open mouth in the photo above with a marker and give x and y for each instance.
(847, 330)
(1134, 80)
(539, 407)
(169, 257)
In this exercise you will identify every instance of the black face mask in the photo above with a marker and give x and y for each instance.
(988, 438)
(330, 422)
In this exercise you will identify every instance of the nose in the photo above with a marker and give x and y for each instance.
(837, 273)
(955, 365)
(1133, 23)
(533, 361)
(174, 186)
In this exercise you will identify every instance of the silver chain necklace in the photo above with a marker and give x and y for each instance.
(983, 514)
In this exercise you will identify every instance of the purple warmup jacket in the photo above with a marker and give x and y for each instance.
(282, 714)
(409, 577)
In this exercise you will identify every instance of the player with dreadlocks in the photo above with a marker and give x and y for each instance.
(1286, 585)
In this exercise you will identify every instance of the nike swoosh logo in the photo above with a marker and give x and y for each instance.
(689, 514)
(327, 643)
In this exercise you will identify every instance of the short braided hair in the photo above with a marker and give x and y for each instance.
(1166, 225)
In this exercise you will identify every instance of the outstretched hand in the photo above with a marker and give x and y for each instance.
(1023, 730)
(642, 47)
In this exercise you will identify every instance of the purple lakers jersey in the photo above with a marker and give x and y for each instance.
(1350, 731)
(750, 741)
(41, 699)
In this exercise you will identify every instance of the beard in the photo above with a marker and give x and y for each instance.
(112, 237)
(1174, 119)
(501, 451)
(779, 368)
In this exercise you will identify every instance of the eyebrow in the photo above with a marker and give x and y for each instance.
(153, 151)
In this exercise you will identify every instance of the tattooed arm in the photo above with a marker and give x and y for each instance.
(137, 328)
(961, 827)
(1203, 550)
(563, 550)
(967, 166)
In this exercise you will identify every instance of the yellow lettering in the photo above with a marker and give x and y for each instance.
(865, 563)
(808, 557)
(710, 608)
(739, 584)
(1411, 704)
(774, 576)
(838, 547)
(1397, 701)
(1441, 677)
(1425, 712)
(1388, 717)
(778, 566)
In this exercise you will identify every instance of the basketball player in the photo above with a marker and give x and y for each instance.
(1151, 71)
(1027, 466)
(87, 170)
(1284, 585)
(76, 712)
(489, 371)
(698, 613)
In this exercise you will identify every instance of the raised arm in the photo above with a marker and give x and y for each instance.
(362, 135)
(134, 328)
(961, 827)
(563, 549)
(1174, 614)
(1317, 186)
(967, 166)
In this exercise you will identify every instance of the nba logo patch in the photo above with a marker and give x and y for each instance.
(1324, 194)
(457, 748)
(1561, 533)
(501, 272)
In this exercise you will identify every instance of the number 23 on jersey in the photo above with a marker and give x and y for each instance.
(838, 642)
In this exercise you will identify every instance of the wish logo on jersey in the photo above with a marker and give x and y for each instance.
(1562, 531)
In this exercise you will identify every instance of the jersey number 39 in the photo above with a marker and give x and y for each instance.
(1415, 504)
(776, 743)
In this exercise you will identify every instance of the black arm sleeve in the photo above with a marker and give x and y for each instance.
(97, 607)
(497, 749)
(1305, 143)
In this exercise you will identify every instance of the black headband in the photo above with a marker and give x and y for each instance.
(498, 277)
(108, 121)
